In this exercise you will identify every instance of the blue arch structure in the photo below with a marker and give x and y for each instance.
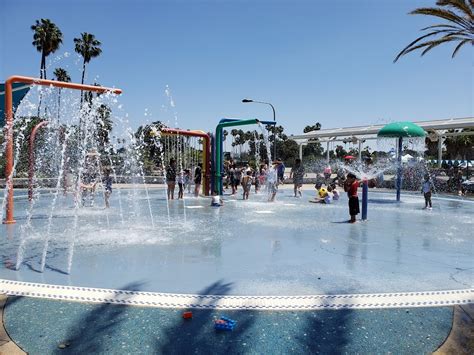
(19, 92)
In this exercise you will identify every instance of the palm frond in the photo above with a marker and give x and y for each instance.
(458, 47)
(444, 14)
(436, 43)
(409, 48)
(460, 26)
(460, 5)
(439, 26)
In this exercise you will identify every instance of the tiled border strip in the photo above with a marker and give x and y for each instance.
(171, 300)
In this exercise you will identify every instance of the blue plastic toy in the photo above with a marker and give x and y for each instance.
(224, 323)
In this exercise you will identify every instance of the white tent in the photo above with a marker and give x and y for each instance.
(406, 158)
(465, 164)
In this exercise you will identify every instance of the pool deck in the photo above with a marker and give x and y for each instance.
(41, 325)
(459, 341)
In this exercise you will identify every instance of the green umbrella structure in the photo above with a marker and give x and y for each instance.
(401, 130)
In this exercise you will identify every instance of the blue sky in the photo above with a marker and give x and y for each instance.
(316, 61)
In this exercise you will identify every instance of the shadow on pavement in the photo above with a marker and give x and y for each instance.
(85, 336)
(198, 334)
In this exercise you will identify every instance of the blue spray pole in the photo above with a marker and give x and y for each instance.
(365, 193)
(399, 170)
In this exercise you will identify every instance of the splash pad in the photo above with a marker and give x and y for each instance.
(255, 248)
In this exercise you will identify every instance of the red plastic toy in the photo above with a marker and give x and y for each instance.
(187, 315)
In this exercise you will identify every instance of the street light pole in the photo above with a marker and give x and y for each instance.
(274, 120)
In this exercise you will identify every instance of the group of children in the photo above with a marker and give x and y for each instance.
(330, 193)
(246, 177)
(326, 195)
(89, 179)
(183, 178)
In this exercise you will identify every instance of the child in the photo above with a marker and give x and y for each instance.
(350, 186)
(236, 180)
(426, 191)
(335, 193)
(327, 174)
(262, 176)
(216, 200)
(107, 181)
(187, 180)
(180, 180)
(281, 171)
(256, 179)
(324, 196)
(272, 181)
(87, 186)
(247, 184)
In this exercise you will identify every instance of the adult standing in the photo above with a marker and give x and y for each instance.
(171, 178)
(197, 179)
(297, 173)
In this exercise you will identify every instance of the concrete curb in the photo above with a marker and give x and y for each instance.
(461, 338)
(7, 345)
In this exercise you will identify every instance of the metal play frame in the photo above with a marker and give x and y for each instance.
(206, 151)
(9, 125)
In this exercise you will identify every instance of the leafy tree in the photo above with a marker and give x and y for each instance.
(104, 126)
(288, 151)
(340, 152)
(431, 148)
(47, 38)
(459, 27)
(149, 151)
(312, 150)
(88, 47)
(23, 126)
(460, 147)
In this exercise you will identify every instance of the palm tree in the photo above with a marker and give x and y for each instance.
(88, 47)
(47, 38)
(316, 127)
(458, 29)
(61, 75)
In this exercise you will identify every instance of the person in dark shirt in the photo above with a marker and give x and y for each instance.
(297, 173)
(197, 179)
(171, 178)
(281, 171)
(350, 186)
